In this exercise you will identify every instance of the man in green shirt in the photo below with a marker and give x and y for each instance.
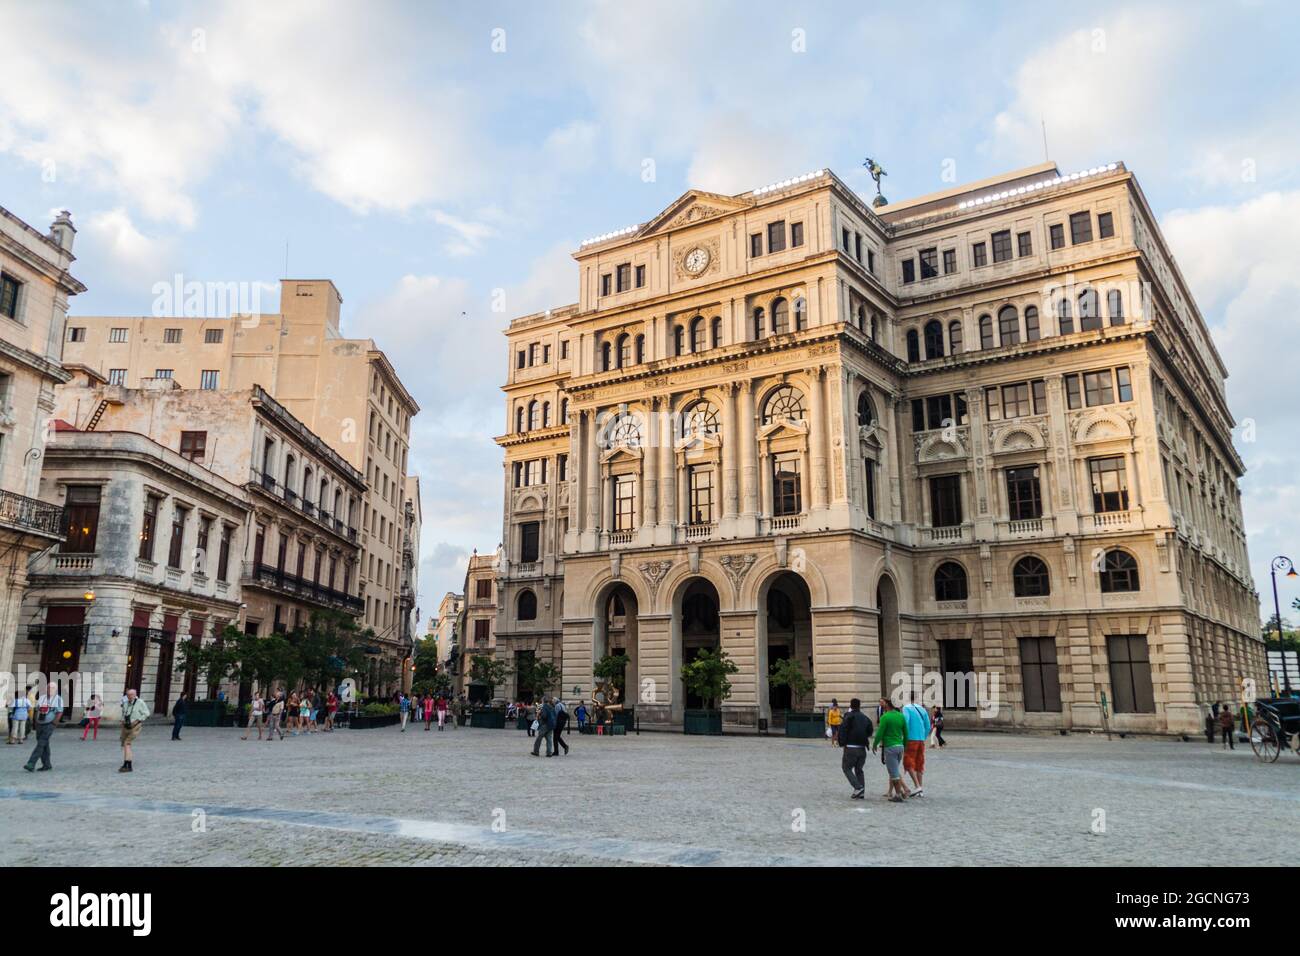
(891, 732)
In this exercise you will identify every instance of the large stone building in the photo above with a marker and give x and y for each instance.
(35, 286)
(344, 390)
(978, 433)
(477, 627)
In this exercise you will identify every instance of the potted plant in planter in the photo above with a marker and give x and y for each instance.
(788, 673)
(489, 671)
(706, 677)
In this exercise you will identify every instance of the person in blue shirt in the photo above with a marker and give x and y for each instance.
(404, 706)
(18, 714)
(917, 721)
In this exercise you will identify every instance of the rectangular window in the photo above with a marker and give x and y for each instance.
(871, 261)
(564, 349)
(148, 530)
(949, 261)
(1130, 674)
(1109, 484)
(909, 271)
(624, 502)
(871, 488)
(796, 234)
(1080, 228)
(945, 501)
(844, 239)
(117, 335)
(223, 556)
(483, 588)
(1024, 496)
(938, 411)
(1015, 400)
(857, 246)
(208, 379)
(1024, 244)
(1124, 384)
(76, 333)
(929, 263)
(786, 490)
(193, 445)
(213, 336)
(164, 373)
(201, 540)
(1042, 684)
(957, 664)
(624, 274)
(546, 354)
(1105, 225)
(117, 376)
(1002, 246)
(171, 336)
(521, 359)
(1057, 233)
(756, 245)
(1040, 396)
(81, 519)
(532, 354)
(179, 518)
(562, 467)
(776, 236)
(1098, 388)
(979, 254)
(1073, 397)
(640, 277)
(482, 628)
(605, 281)
(9, 287)
(918, 415)
(701, 490)
(529, 541)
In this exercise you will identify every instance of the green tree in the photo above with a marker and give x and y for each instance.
(706, 676)
(537, 677)
(489, 671)
(613, 669)
(788, 673)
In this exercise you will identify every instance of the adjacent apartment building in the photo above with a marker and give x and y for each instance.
(35, 286)
(343, 390)
(978, 438)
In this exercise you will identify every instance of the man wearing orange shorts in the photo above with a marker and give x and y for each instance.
(917, 721)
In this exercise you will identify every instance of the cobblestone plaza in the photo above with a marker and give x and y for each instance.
(476, 797)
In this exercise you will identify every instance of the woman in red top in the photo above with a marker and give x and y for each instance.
(427, 705)
(331, 705)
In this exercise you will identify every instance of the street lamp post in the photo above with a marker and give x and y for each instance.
(1280, 563)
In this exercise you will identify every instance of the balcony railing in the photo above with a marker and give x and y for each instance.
(945, 533)
(31, 514)
(1111, 520)
(75, 563)
(787, 523)
(270, 576)
(154, 635)
(59, 632)
(621, 537)
(700, 530)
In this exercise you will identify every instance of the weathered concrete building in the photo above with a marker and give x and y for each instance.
(344, 390)
(35, 285)
(478, 630)
(979, 434)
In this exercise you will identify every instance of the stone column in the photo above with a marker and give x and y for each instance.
(591, 473)
(817, 441)
(729, 454)
(745, 426)
(650, 468)
(667, 475)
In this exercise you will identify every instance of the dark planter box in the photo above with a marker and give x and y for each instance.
(488, 719)
(205, 713)
(805, 725)
(462, 720)
(370, 721)
(232, 719)
(702, 722)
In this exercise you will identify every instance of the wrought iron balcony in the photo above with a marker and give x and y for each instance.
(268, 575)
(31, 514)
(59, 632)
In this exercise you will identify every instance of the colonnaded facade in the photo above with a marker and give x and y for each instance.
(980, 434)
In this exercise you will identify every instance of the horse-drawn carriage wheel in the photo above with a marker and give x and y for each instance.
(1263, 740)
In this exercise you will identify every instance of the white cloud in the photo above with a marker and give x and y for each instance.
(120, 250)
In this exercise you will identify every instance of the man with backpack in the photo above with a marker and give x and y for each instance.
(545, 724)
(855, 737)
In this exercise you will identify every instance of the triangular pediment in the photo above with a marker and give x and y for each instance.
(692, 207)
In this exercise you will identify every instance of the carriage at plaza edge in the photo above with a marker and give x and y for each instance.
(1276, 727)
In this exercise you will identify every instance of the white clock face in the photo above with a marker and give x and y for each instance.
(697, 260)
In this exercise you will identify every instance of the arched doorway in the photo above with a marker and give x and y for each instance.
(695, 628)
(890, 645)
(615, 634)
(785, 633)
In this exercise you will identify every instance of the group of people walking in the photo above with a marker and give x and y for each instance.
(900, 735)
(550, 723)
(305, 713)
(426, 708)
(41, 712)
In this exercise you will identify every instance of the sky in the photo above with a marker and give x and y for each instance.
(441, 162)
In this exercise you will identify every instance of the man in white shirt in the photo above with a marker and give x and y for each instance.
(134, 713)
(45, 715)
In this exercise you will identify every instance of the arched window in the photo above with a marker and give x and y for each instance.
(1029, 578)
(698, 343)
(564, 411)
(533, 420)
(986, 331)
(1089, 310)
(1115, 306)
(784, 405)
(862, 317)
(716, 336)
(800, 314)
(624, 350)
(519, 418)
(1008, 325)
(913, 346)
(679, 340)
(700, 419)
(780, 316)
(527, 606)
(606, 357)
(625, 431)
(1032, 332)
(950, 582)
(760, 324)
(640, 349)
(546, 414)
(875, 327)
(933, 339)
(1064, 317)
(954, 338)
(865, 414)
(1119, 572)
